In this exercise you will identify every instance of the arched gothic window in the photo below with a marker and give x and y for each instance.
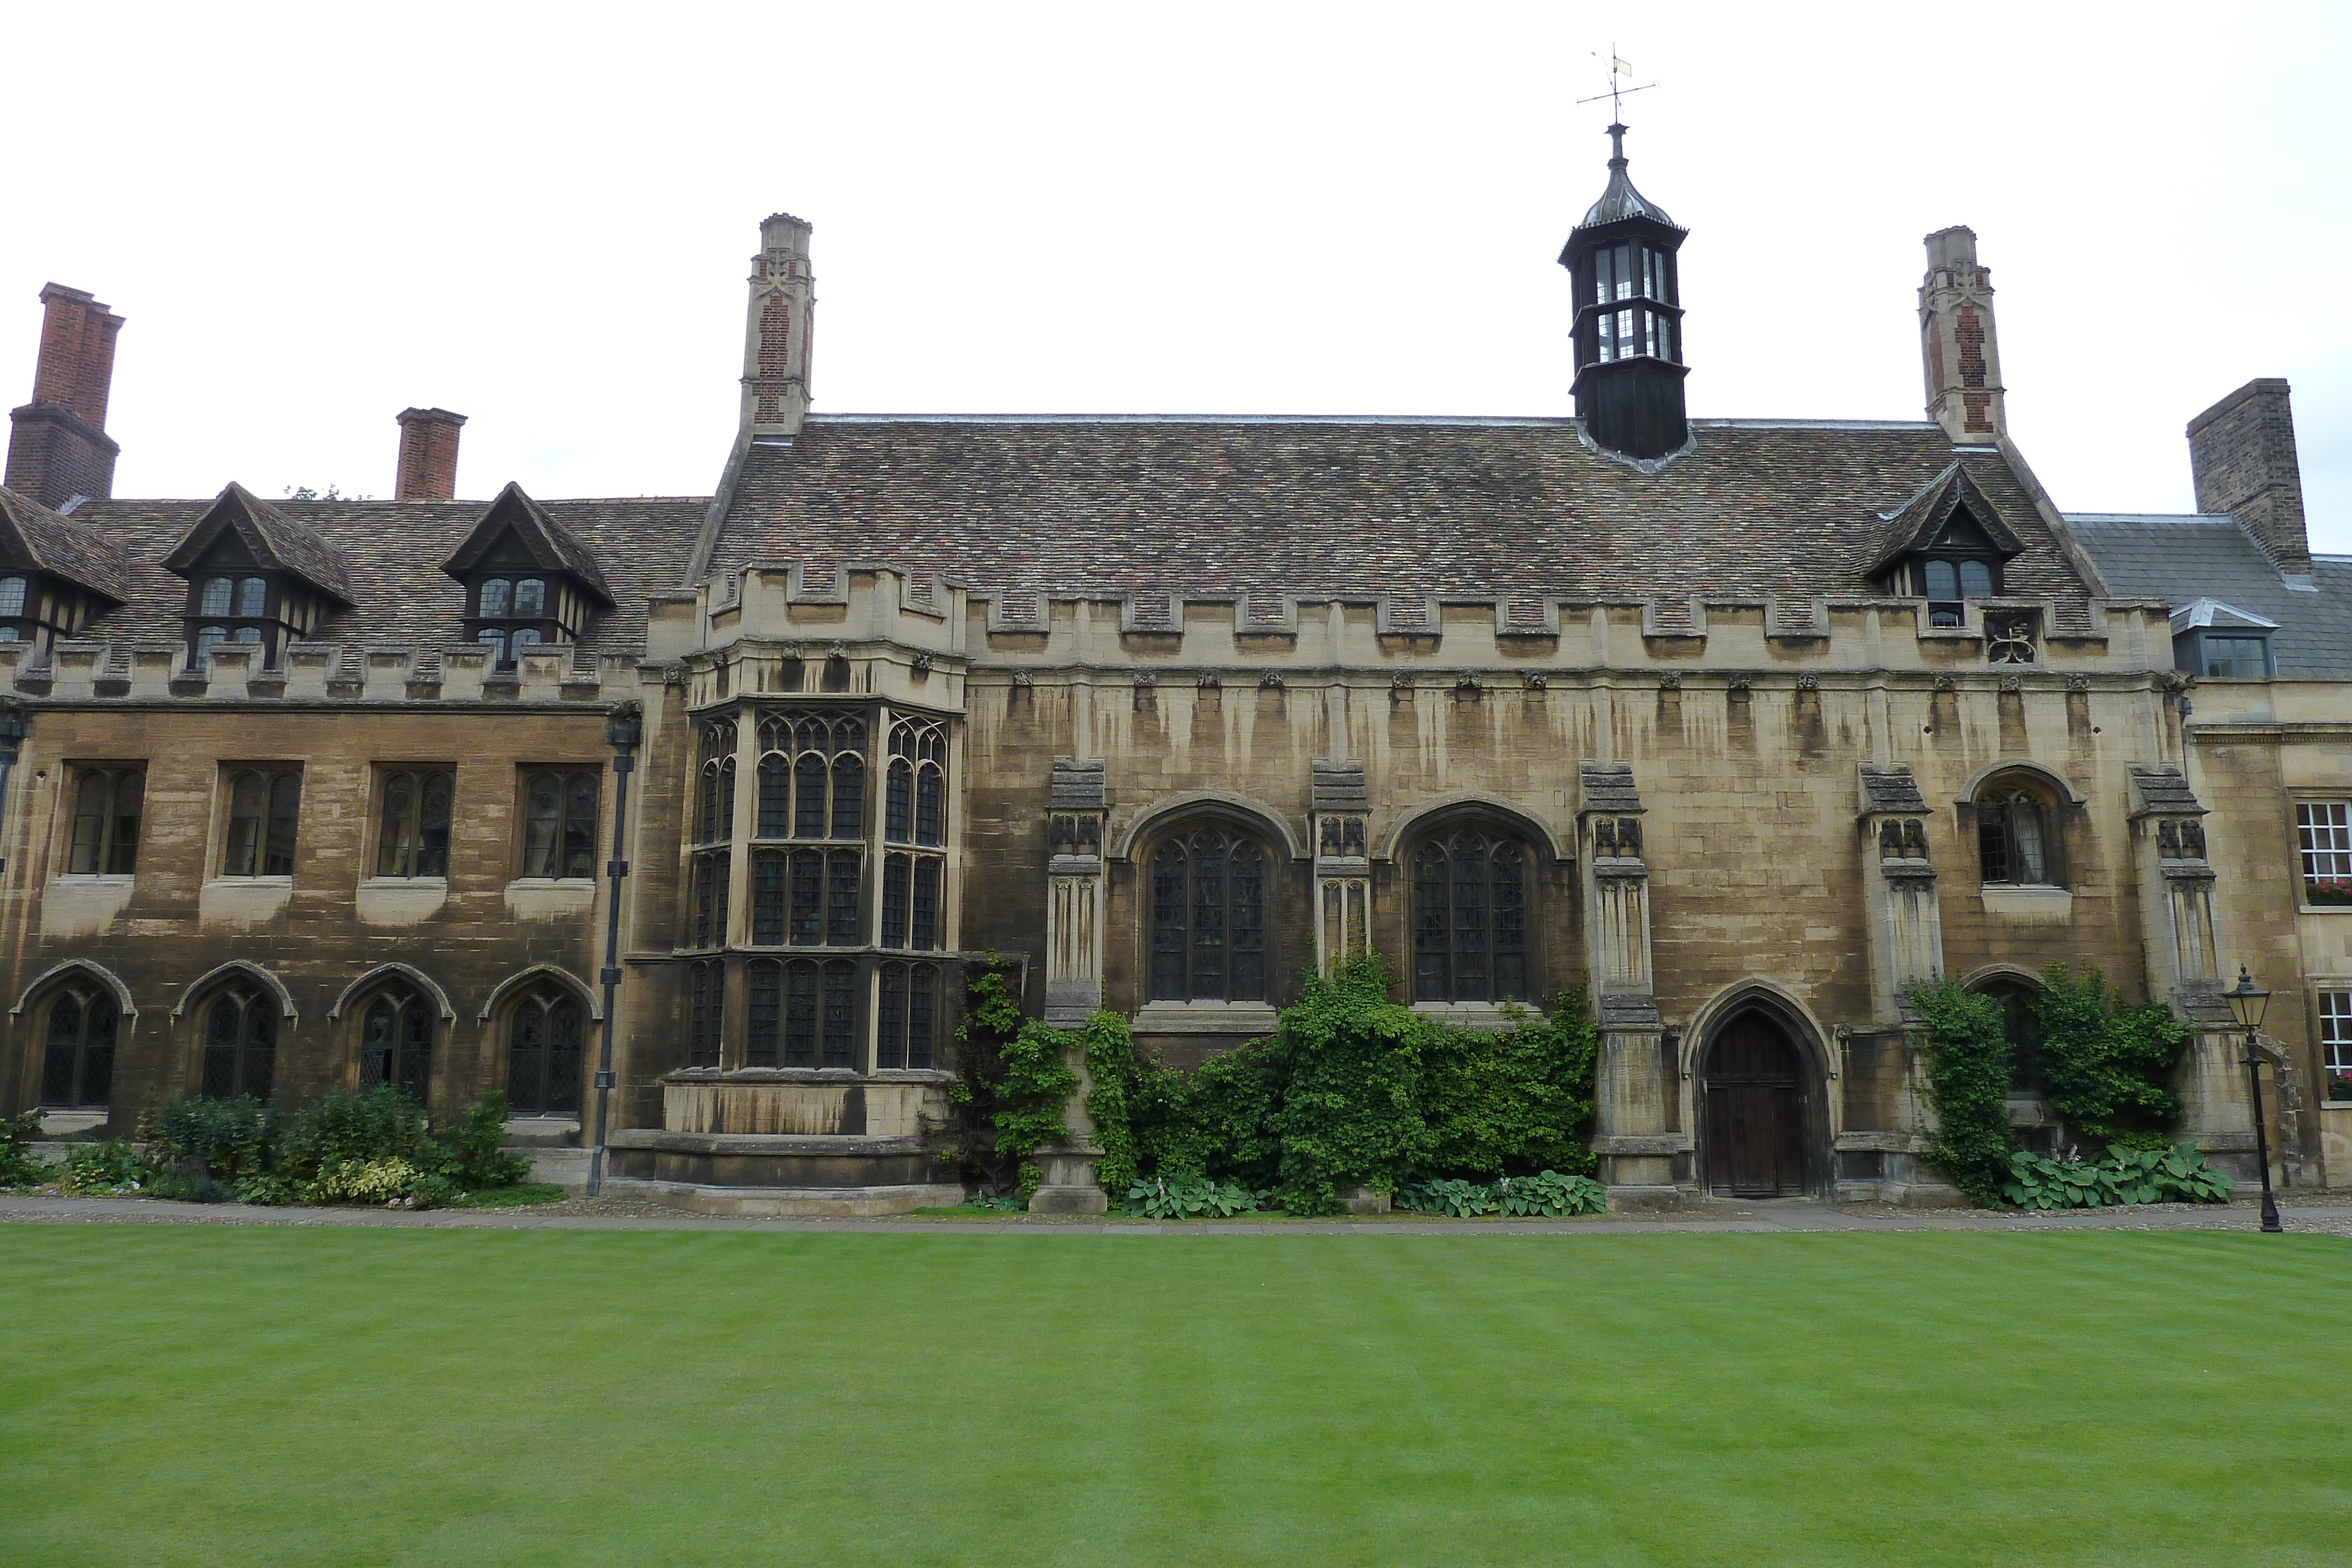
(396, 1041)
(77, 1068)
(545, 1028)
(1208, 918)
(1470, 918)
(812, 777)
(718, 818)
(915, 807)
(2021, 1025)
(2015, 843)
(821, 1013)
(240, 1043)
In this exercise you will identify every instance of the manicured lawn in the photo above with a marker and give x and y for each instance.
(259, 1396)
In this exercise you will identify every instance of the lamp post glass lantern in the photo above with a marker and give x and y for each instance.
(2248, 1003)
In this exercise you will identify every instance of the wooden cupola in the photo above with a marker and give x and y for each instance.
(528, 579)
(56, 575)
(256, 575)
(1629, 320)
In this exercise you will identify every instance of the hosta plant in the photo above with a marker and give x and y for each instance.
(2178, 1174)
(1183, 1196)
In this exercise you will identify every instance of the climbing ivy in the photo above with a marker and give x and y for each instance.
(2107, 1067)
(1967, 1085)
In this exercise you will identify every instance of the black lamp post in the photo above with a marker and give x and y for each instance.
(2247, 1002)
(622, 732)
(15, 724)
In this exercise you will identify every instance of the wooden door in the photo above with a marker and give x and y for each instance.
(1754, 1112)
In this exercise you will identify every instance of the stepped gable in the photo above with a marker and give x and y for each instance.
(392, 554)
(1268, 506)
(61, 547)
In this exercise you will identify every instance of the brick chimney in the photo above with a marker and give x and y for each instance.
(1955, 339)
(2242, 451)
(428, 454)
(776, 337)
(58, 445)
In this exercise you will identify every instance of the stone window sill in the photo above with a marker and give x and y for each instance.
(1205, 1018)
(2053, 904)
(1491, 1016)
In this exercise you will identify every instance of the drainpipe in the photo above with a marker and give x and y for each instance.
(622, 731)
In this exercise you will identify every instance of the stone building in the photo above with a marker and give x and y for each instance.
(1740, 725)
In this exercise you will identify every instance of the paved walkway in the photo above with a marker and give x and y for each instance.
(1716, 1218)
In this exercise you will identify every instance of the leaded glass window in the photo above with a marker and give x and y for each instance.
(107, 805)
(78, 1063)
(1208, 918)
(396, 1043)
(544, 1033)
(240, 1043)
(1470, 918)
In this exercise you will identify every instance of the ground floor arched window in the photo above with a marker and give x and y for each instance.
(1470, 918)
(240, 1043)
(1208, 918)
(545, 1031)
(396, 1041)
(78, 1062)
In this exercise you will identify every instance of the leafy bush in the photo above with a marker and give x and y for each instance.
(1548, 1195)
(95, 1170)
(1187, 1197)
(472, 1158)
(2108, 1066)
(220, 1140)
(1967, 1086)
(2177, 1175)
(17, 1135)
(268, 1191)
(359, 1126)
(381, 1180)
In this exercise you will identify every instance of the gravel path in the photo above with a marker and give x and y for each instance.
(1718, 1216)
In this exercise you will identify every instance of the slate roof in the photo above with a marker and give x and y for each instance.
(2186, 557)
(1263, 507)
(51, 542)
(392, 553)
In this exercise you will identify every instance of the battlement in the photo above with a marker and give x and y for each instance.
(314, 672)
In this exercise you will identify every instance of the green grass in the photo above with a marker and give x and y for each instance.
(263, 1396)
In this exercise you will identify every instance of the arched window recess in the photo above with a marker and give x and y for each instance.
(1207, 905)
(2018, 818)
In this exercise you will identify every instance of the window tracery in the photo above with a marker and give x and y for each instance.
(78, 1064)
(545, 1029)
(2015, 841)
(241, 1044)
(1208, 918)
(396, 1041)
(1470, 918)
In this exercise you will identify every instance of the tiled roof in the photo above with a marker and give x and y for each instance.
(549, 542)
(50, 542)
(1263, 507)
(274, 538)
(1915, 524)
(2183, 559)
(392, 553)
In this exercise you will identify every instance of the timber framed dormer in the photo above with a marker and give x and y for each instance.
(255, 575)
(1948, 546)
(529, 583)
(57, 576)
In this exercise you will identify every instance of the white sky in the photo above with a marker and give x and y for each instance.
(315, 215)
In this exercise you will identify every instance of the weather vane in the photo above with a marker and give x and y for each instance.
(1617, 89)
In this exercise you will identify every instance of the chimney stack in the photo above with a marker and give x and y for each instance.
(776, 337)
(428, 454)
(58, 445)
(1962, 357)
(2242, 453)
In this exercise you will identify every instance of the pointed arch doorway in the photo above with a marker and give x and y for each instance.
(1755, 1086)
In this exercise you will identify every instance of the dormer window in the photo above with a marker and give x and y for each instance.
(230, 602)
(255, 575)
(529, 583)
(1948, 582)
(2222, 642)
(35, 608)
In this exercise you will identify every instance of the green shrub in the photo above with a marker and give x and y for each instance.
(94, 1170)
(1548, 1195)
(2174, 1175)
(218, 1140)
(268, 1190)
(472, 1158)
(1967, 1086)
(361, 1125)
(18, 1136)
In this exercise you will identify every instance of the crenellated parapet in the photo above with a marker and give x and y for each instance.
(316, 673)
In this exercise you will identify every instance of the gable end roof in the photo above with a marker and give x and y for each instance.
(275, 540)
(551, 544)
(1915, 523)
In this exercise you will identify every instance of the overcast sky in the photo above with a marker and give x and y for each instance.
(314, 216)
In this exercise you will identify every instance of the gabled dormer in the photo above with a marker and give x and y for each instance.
(256, 575)
(530, 581)
(57, 576)
(2220, 640)
(1946, 545)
